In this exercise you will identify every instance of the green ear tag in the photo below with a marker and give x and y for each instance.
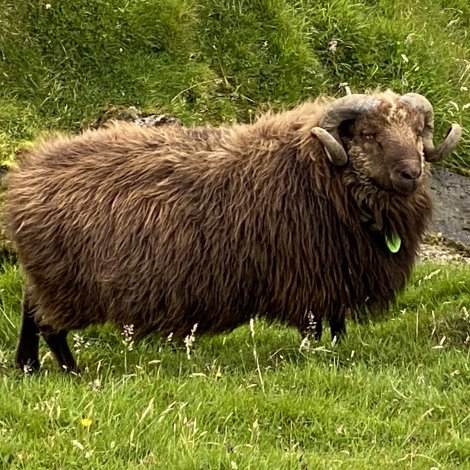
(393, 243)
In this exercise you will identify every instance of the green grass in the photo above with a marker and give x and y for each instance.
(214, 61)
(394, 394)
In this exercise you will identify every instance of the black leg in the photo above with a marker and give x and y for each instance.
(318, 328)
(337, 328)
(57, 342)
(27, 351)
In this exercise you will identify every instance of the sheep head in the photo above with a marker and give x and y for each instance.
(385, 138)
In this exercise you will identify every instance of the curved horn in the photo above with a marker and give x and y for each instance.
(447, 146)
(334, 150)
(343, 109)
(431, 153)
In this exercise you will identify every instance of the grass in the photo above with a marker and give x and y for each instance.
(62, 64)
(394, 393)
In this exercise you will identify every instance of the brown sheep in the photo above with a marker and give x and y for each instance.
(296, 217)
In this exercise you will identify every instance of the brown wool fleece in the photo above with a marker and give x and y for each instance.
(170, 226)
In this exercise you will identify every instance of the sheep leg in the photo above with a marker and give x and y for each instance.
(337, 328)
(318, 328)
(27, 351)
(57, 342)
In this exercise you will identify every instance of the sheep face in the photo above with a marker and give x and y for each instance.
(385, 147)
(385, 138)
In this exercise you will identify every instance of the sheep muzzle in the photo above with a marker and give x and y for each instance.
(406, 176)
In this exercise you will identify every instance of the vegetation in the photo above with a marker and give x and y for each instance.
(62, 64)
(394, 394)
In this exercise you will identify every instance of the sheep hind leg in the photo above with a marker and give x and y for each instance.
(57, 342)
(27, 351)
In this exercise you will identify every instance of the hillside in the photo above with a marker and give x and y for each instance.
(64, 64)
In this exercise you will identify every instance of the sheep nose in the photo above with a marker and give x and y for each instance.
(410, 174)
(406, 177)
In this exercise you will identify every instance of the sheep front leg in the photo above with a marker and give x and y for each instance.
(337, 327)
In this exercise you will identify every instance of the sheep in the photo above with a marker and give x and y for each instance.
(307, 214)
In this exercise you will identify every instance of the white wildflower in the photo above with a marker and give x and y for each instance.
(189, 341)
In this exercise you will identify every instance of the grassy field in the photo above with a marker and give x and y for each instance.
(64, 64)
(395, 394)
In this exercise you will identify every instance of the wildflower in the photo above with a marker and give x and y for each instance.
(128, 330)
(78, 444)
(3, 359)
(345, 86)
(305, 344)
(466, 315)
(409, 39)
(333, 45)
(79, 343)
(189, 341)
(127, 333)
(86, 422)
(95, 384)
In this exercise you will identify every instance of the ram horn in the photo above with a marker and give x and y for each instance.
(334, 150)
(343, 109)
(431, 153)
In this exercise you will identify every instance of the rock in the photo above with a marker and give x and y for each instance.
(133, 114)
(451, 196)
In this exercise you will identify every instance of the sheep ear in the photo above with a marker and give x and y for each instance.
(333, 149)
